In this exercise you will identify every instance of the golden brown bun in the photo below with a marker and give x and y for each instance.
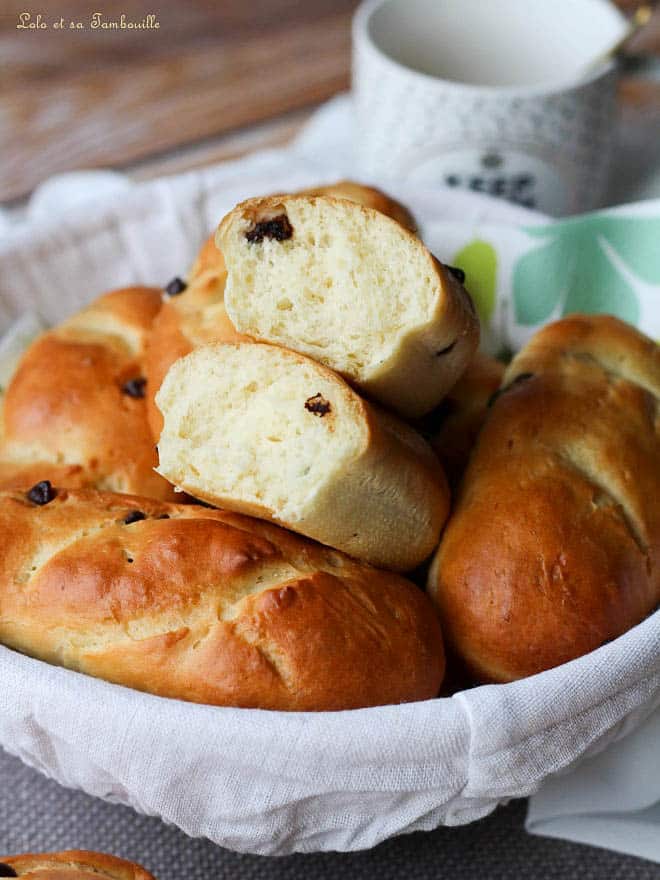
(197, 315)
(208, 606)
(72, 864)
(73, 413)
(553, 547)
(453, 428)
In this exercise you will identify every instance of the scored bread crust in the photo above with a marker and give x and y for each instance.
(197, 315)
(75, 864)
(422, 359)
(384, 502)
(553, 546)
(209, 606)
(67, 416)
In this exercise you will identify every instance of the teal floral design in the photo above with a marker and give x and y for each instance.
(588, 264)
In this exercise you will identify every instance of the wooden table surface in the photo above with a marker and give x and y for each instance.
(214, 80)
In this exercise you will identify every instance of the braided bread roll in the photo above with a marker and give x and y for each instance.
(203, 605)
(74, 412)
(553, 547)
(72, 864)
(194, 311)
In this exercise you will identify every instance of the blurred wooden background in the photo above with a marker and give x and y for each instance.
(215, 80)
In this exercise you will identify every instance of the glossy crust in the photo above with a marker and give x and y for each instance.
(197, 315)
(208, 606)
(67, 416)
(74, 864)
(553, 547)
(452, 429)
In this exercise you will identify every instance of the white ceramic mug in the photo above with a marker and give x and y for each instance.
(497, 96)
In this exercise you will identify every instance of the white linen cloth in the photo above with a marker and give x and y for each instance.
(268, 782)
(610, 800)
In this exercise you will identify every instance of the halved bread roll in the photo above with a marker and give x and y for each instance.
(353, 289)
(263, 430)
(194, 310)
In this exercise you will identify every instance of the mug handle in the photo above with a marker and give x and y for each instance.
(638, 65)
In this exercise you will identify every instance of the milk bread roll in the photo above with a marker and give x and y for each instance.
(194, 312)
(552, 549)
(353, 289)
(75, 411)
(204, 605)
(266, 431)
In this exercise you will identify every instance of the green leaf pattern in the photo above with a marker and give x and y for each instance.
(478, 260)
(588, 264)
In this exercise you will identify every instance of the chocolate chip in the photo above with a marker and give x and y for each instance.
(522, 377)
(458, 274)
(175, 287)
(135, 387)
(278, 228)
(318, 405)
(446, 349)
(41, 494)
(7, 870)
(134, 516)
(163, 516)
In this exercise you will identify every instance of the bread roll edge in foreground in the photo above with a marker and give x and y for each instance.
(269, 432)
(72, 864)
(208, 606)
(552, 548)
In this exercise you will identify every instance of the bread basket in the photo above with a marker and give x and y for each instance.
(275, 783)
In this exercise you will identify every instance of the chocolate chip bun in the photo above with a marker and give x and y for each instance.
(553, 546)
(204, 605)
(72, 864)
(266, 431)
(353, 289)
(75, 412)
(194, 310)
